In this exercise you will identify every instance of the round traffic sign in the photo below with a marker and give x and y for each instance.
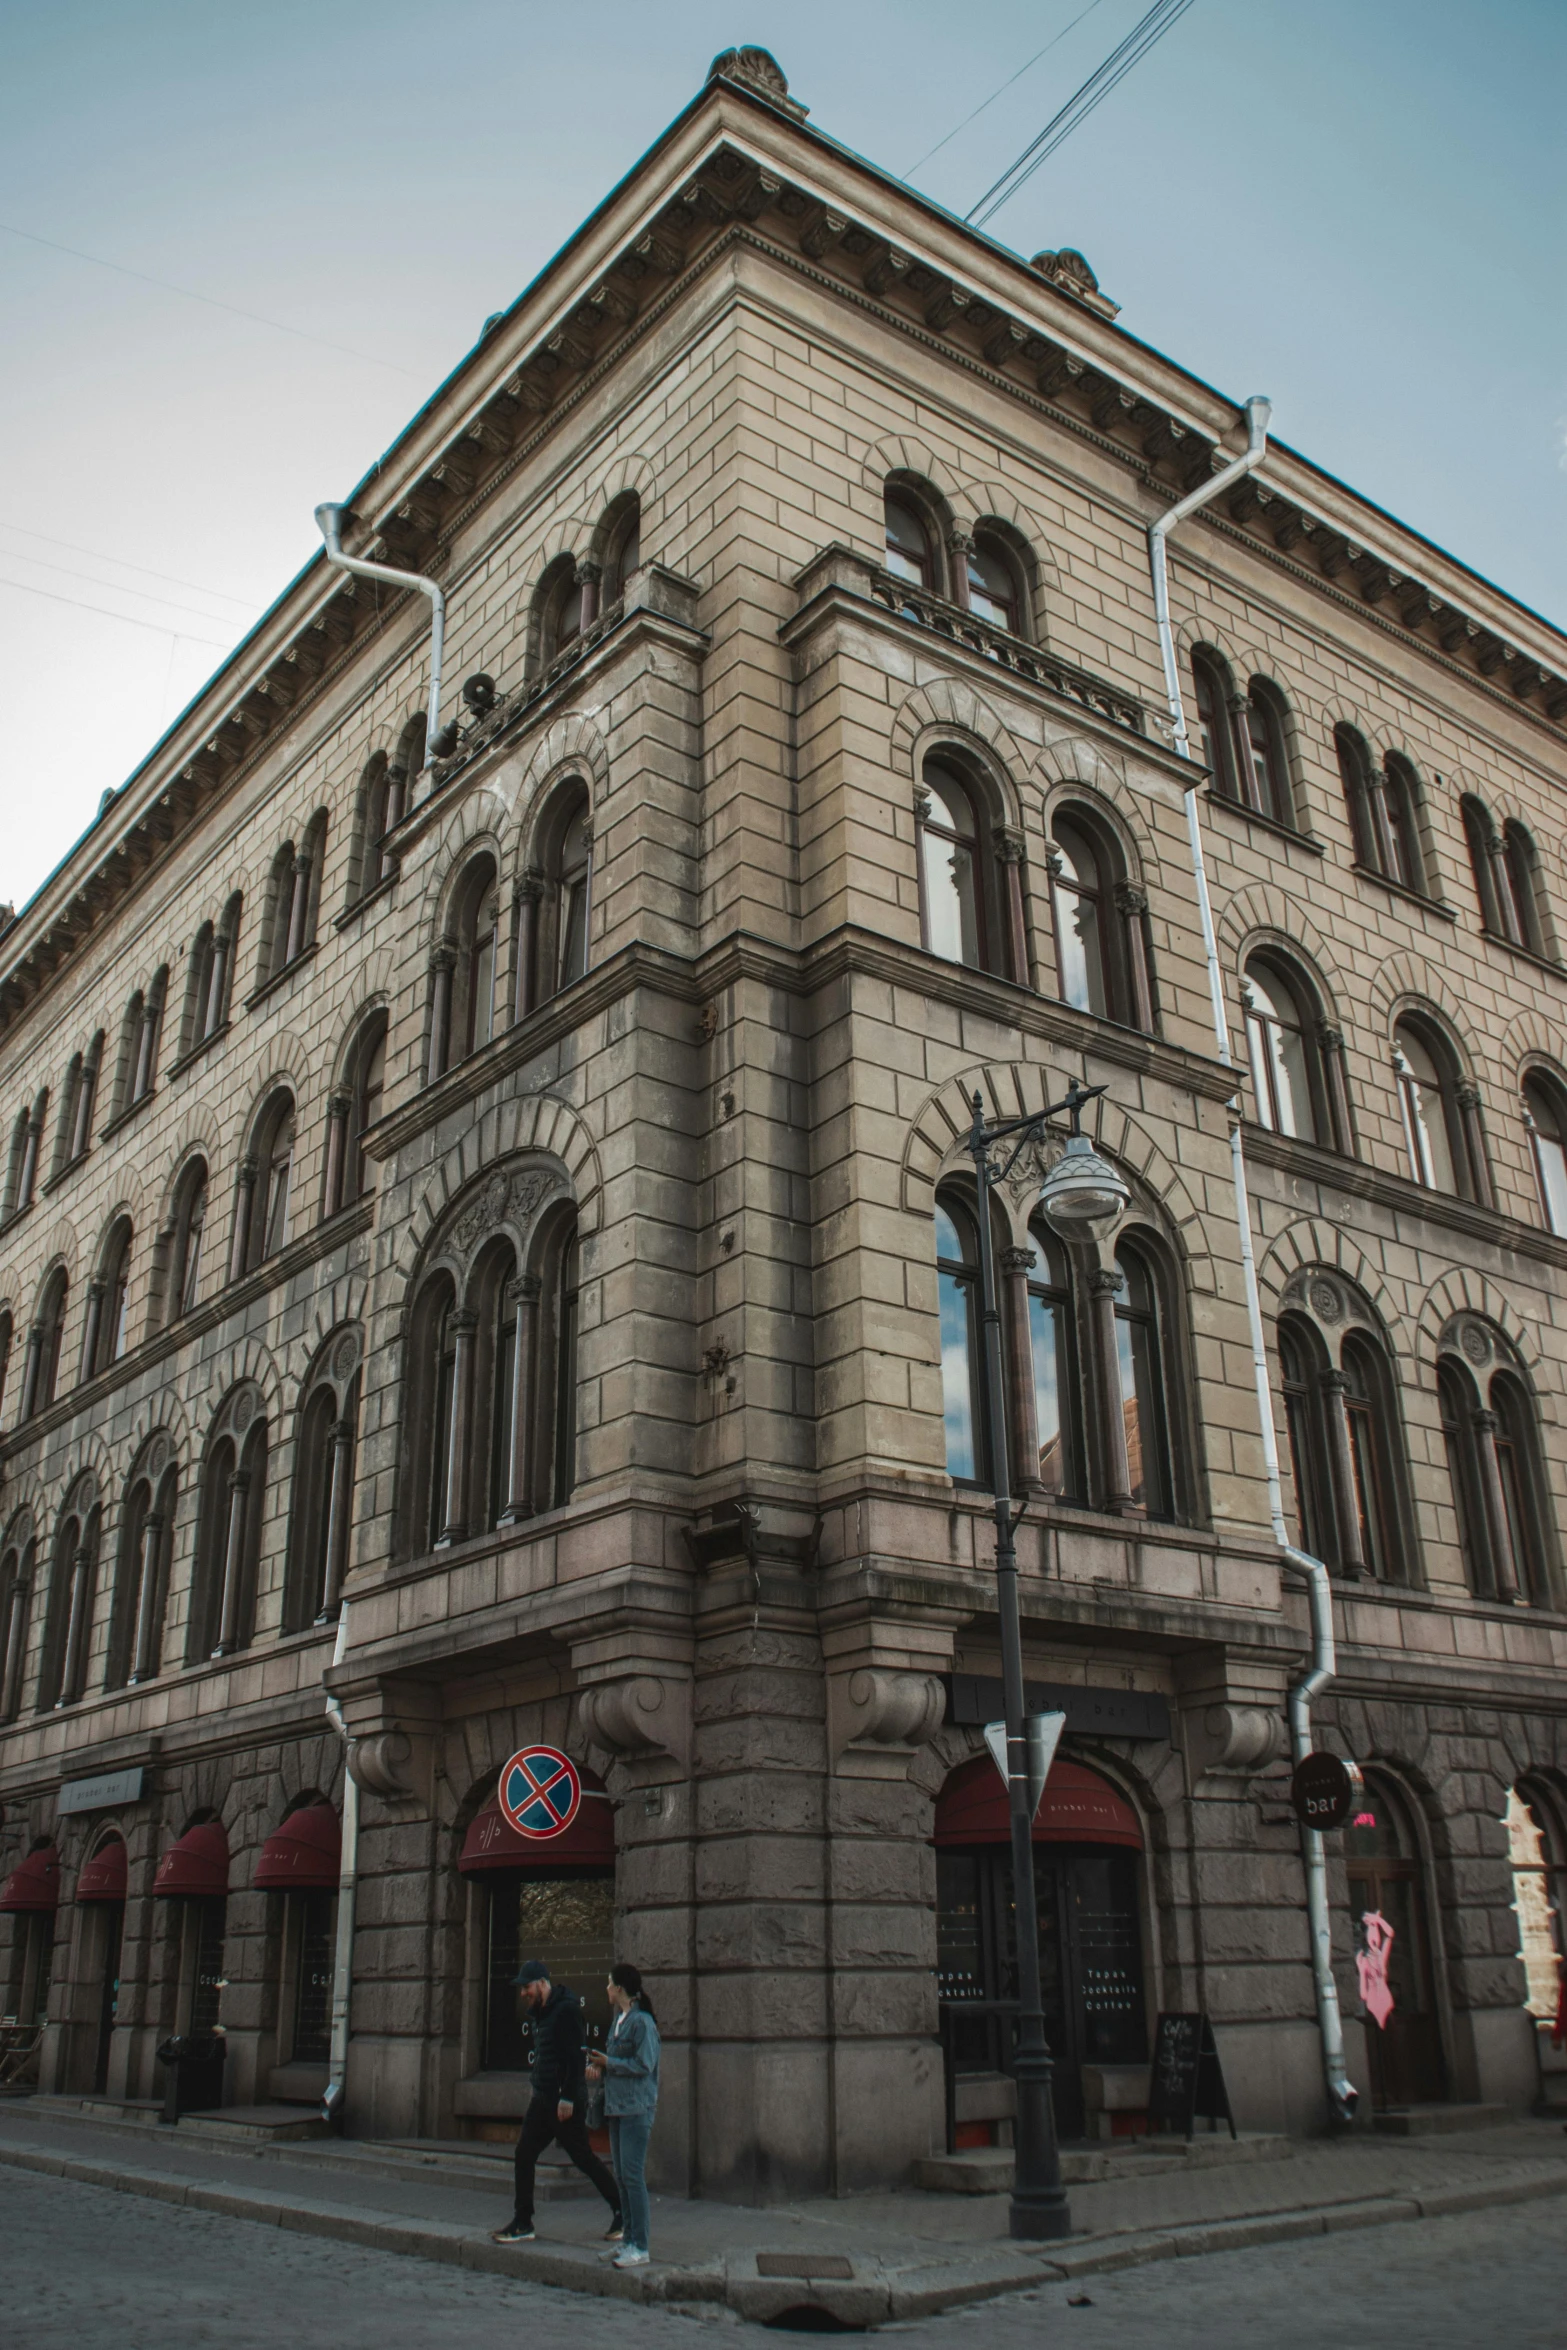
(539, 1792)
(1324, 1790)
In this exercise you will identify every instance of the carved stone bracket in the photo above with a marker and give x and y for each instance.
(646, 1714)
(878, 1718)
(393, 1730)
(1244, 1739)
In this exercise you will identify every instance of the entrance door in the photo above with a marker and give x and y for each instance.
(1086, 1880)
(566, 1919)
(311, 2039)
(1387, 1891)
(112, 1929)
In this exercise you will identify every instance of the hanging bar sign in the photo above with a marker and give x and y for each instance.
(1324, 1790)
(539, 1792)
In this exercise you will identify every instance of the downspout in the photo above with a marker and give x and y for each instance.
(330, 519)
(1341, 2092)
(347, 1884)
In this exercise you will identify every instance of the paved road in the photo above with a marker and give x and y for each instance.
(86, 2269)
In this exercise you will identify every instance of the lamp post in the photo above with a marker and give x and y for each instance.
(1083, 1198)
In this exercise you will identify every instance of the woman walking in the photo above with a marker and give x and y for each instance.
(628, 2068)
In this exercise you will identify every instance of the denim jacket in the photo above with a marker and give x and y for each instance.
(631, 2066)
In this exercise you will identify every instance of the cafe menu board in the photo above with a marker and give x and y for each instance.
(1187, 2080)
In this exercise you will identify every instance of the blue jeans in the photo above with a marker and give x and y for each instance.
(628, 2137)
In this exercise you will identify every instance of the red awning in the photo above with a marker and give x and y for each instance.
(196, 1868)
(36, 1884)
(588, 1843)
(1078, 1808)
(304, 1855)
(103, 1877)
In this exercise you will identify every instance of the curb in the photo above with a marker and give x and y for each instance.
(891, 2293)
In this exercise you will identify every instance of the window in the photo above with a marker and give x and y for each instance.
(137, 1070)
(1263, 764)
(1491, 1436)
(1100, 919)
(322, 1498)
(68, 1625)
(77, 1101)
(575, 862)
(210, 977)
(108, 1313)
(949, 852)
(1537, 1850)
(1519, 878)
(17, 1563)
(1383, 803)
(1142, 1368)
(478, 979)
(7, 1333)
(1291, 1089)
(995, 592)
(1053, 1365)
(909, 541)
(567, 1291)
(190, 1219)
(555, 900)
(141, 1585)
(264, 1206)
(1370, 1411)
(623, 548)
(1301, 1366)
(362, 1105)
(228, 1535)
(957, 1290)
(378, 807)
(293, 900)
(1214, 692)
(50, 1337)
(432, 1387)
(1442, 1137)
(1545, 1122)
(27, 1136)
(463, 978)
(560, 609)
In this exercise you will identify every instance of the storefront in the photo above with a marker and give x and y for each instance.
(1087, 1871)
(301, 1863)
(1388, 1905)
(194, 1874)
(31, 1894)
(100, 1895)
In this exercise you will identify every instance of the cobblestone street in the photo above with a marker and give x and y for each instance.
(94, 2270)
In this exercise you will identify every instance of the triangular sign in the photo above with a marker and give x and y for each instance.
(1043, 1732)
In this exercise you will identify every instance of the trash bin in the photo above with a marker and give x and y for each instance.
(193, 2073)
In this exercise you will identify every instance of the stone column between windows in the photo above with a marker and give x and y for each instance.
(142, 1080)
(525, 1290)
(74, 1672)
(91, 1328)
(1245, 763)
(464, 1324)
(1468, 1099)
(30, 1370)
(86, 1086)
(1016, 1265)
(298, 908)
(442, 964)
(1104, 1287)
(960, 545)
(146, 1598)
(590, 577)
(337, 1109)
(244, 1202)
(339, 1510)
(1346, 1515)
(29, 1169)
(1131, 903)
(233, 1564)
(1498, 1529)
(396, 794)
(1502, 888)
(1330, 1044)
(530, 893)
(216, 985)
(1009, 855)
(11, 1649)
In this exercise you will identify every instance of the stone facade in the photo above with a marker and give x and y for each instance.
(715, 1552)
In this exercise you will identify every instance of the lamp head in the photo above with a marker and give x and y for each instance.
(1082, 1197)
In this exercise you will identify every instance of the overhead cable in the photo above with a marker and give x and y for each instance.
(1053, 42)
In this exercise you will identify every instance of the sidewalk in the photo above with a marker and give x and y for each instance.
(866, 2259)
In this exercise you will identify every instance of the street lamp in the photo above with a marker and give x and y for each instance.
(1084, 1198)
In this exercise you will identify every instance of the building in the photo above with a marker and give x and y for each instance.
(490, 1211)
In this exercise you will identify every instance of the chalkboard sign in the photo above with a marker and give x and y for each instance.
(1186, 2077)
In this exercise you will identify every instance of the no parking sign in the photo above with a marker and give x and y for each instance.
(539, 1792)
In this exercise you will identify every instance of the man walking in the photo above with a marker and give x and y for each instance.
(559, 2095)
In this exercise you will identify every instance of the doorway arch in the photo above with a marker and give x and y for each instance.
(1391, 1912)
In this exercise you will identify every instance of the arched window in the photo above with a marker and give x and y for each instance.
(293, 900)
(370, 863)
(1460, 1404)
(463, 1013)
(1052, 1337)
(1441, 1118)
(1387, 1905)
(48, 1341)
(995, 582)
(432, 1356)
(1491, 1436)
(1100, 919)
(68, 1626)
(1214, 692)
(1143, 1365)
(909, 540)
(18, 1557)
(185, 1255)
(355, 1110)
(576, 848)
(957, 1291)
(1519, 877)
(951, 849)
(1371, 1413)
(1545, 1121)
(622, 548)
(77, 1101)
(107, 1330)
(1520, 1538)
(566, 1284)
(560, 609)
(228, 1538)
(1537, 1850)
(211, 977)
(1383, 810)
(7, 1335)
(264, 1205)
(322, 1497)
(1297, 1075)
(137, 1071)
(1301, 1365)
(1485, 851)
(554, 906)
(27, 1139)
(141, 1586)
(1263, 761)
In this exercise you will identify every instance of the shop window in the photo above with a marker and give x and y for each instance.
(1388, 1908)
(1537, 1850)
(555, 1903)
(1545, 1122)
(957, 1288)
(32, 1967)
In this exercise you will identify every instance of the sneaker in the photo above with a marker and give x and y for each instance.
(615, 2232)
(632, 2258)
(514, 2233)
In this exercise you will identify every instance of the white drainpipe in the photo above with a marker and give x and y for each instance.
(330, 519)
(1341, 2092)
(347, 1884)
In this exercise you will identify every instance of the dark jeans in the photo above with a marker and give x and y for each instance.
(538, 2129)
(628, 2137)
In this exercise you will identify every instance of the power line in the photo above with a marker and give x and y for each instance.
(104, 613)
(95, 554)
(68, 571)
(1079, 106)
(1006, 85)
(212, 301)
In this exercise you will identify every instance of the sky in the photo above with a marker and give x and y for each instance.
(1356, 206)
